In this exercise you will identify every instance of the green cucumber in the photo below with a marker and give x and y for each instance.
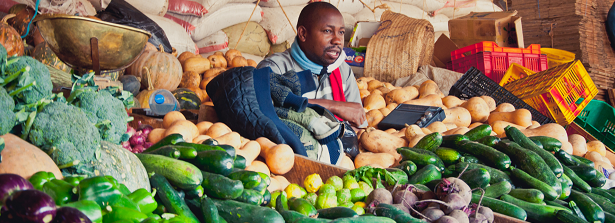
(168, 151)
(430, 142)
(400, 176)
(468, 158)
(548, 143)
(476, 178)
(392, 212)
(195, 192)
(597, 181)
(250, 196)
(214, 161)
(565, 158)
(266, 198)
(210, 211)
(186, 152)
(200, 148)
(567, 217)
(606, 205)
(302, 206)
(420, 159)
(337, 212)
(447, 155)
(557, 203)
(566, 183)
(517, 136)
(408, 167)
(219, 186)
(537, 143)
(451, 141)
(529, 195)
(487, 154)
(609, 218)
(585, 172)
(235, 212)
(170, 199)
(604, 193)
(526, 179)
(249, 179)
(240, 162)
(583, 160)
(495, 174)
(168, 140)
(265, 178)
(489, 140)
(425, 174)
(591, 210)
(261, 187)
(535, 212)
(180, 173)
(496, 190)
(210, 142)
(576, 210)
(501, 207)
(577, 182)
(479, 132)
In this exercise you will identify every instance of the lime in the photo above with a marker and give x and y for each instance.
(303, 192)
(311, 197)
(347, 177)
(365, 187)
(274, 197)
(343, 196)
(358, 209)
(326, 200)
(312, 183)
(347, 204)
(357, 194)
(327, 189)
(360, 204)
(350, 183)
(336, 182)
(294, 190)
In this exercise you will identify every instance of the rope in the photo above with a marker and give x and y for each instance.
(246, 26)
(289, 22)
(34, 16)
(423, 15)
(400, 5)
(337, 6)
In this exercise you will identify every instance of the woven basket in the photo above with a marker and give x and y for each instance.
(400, 46)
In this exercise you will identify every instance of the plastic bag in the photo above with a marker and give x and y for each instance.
(350, 141)
(123, 13)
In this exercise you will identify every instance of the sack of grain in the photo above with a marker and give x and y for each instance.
(277, 26)
(177, 36)
(274, 3)
(465, 9)
(214, 42)
(187, 26)
(195, 7)
(253, 41)
(151, 7)
(439, 22)
(348, 6)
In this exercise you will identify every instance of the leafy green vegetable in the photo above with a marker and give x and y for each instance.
(366, 173)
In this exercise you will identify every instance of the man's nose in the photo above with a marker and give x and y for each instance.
(338, 39)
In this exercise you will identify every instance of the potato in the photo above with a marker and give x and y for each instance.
(596, 146)
(478, 108)
(579, 146)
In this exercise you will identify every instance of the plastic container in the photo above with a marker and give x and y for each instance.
(556, 57)
(162, 101)
(515, 72)
(488, 46)
(475, 84)
(598, 119)
(560, 93)
(404, 114)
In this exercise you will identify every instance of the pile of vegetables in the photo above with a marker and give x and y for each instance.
(137, 142)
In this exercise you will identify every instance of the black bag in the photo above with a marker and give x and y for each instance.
(350, 141)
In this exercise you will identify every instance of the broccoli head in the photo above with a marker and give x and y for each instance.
(38, 73)
(106, 111)
(65, 132)
(8, 118)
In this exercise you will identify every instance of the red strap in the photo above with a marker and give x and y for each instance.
(337, 88)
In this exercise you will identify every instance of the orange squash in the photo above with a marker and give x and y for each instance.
(10, 38)
(258, 166)
(232, 139)
(397, 96)
(374, 101)
(251, 150)
(374, 117)
(184, 56)
(362, 84)
(252, 63)
(378, 141)
(156, 135)
(280, 158)
(196, 64)
(478, 108)
(45, 55)
(163, 70)
(218, 129)
(521, 117)
(231, 54)
(24, 159)
(459, 116)
(238, 61)
(190, 79)
(217, 61)
(187, 125)
(384, 160)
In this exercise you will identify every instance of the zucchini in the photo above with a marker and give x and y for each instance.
(250, 196)
(496, 190)
(200, 148)
(537, 143)
(249, 179)
(168, 151)
(368, 219)
(585, 172)
(195, 192)
(558, 203)
(240, 162)
(524, 178)
(598, 181)
(517, 136)
(210, 211)
(535, 212)
(452, 141)
(501, 207)
(168, 140)
(548, 143)
(214, 161)
(425, 174)
(392, 212)
(430, 142)
(583, 160)
(495, 174)
(265, 178)
(219, 186)
(447, 155)
(180, 173)
(566, 183)
(337, 212)
(567, 217)
(210, 142)
(476, 178)
(604, 193)
(186, 152)
(565, 158)
(420, 158)
(529, 195)
(266, 198)
(577, 182)
(468, 158)
(261, 187)
(170, 199)
(575, 210)
(604, 203)
(408, 167)
(236, 212)
(489, 140)
(590, 209)
(302, 206)
(609, 218)
(487, 154)
(479, 132)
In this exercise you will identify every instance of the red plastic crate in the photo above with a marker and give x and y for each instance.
(488, 46)
(495, 64)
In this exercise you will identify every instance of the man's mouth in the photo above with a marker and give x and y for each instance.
(333, 53)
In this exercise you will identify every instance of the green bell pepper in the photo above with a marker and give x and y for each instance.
(121, 187)
(154, 216)
(126, 221)
(150, 220)
(73, 180)
(61, 191)
(89, 208)
(98, 189)
(144, 199)
(121, 213)
(161, 209)
(40, 178)
(127, 203)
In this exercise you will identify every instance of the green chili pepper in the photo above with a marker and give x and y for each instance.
(89, 208)
(61, 191)
(73, 180)
(40, 178)
(117, 213)
(98, 189)
(144, 199)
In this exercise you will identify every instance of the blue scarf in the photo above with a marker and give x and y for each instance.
(307, 64)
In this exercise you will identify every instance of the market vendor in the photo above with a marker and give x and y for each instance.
(318, 48)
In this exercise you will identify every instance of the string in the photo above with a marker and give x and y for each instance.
(246, 26)
(289, 22)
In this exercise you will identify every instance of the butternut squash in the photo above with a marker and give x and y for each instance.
(282, 181)
(428, 100)
(437, 127)
(521, 117)
(218, 129)
(391, 130)
(203, 126)
(429, 87)
(601, 164)
(188, 125)
(24, 159)
(374, 84)
(376, 91)
(384, 111)
(426, 131)
(533, 126)
(610, 156)
(196, 64)
(186, 133)
(552, 130)
(232, 139)
(374, 101)
(392, 106)
(378, 141)
(383, 159)
(596, 146)
(362, 84)
(156, 135)
(274, 185)
(451, 101)
(490, 102)
(593, 156)
(412, 131)
(347, 163)
(389, 86)
(243, 141)
(385, 90)
(579, 146)
(364, 93)
(450, 126)
(458, 130)
(258, 166)
(566, 146)
(184, 56)
(414, 140)
(374, 117)
(397, 96)
(171, 117)
(250, 151)
(479, 111)
(498, 127)
(280, 158)
(412, 91)
(458, 116)
(200, 138)
(504, 107)
(474, 124)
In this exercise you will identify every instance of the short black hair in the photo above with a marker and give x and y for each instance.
(306, 17)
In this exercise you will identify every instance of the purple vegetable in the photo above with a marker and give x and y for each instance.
(145, 128)
(70, 215)
(130, 131)
(30, 206)
(138, 149)
(137, 139)
(10, 183)
(146, 145)
(126, 145)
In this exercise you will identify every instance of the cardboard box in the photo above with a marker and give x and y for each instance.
(442, 51)
(503, 28)
(361, 34)
(354, 58)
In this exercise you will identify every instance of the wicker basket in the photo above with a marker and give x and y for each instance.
(400, 46)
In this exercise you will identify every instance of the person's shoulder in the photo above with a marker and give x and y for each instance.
(278, 59)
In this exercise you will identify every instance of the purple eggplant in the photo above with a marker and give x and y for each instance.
(9, 183)
(70, 215)
(32, 206)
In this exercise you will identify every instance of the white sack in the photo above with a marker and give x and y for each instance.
(151, 7)
(176, 34)
(212, 43)
(478, 6)
(274, 3)
(276, 25)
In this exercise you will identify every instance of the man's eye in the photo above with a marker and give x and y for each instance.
(327, 31)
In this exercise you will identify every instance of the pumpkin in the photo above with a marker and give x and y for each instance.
(280, 158)
(172, 117)
(196, 64)
(238, 61)
(522, 117)
(143, 97)
(184, 56)
(190, 79)
(378, 141)
(187, 99)
(217, 61)
(45, 55)
(150, 46)
(384, 160)
(160, 69)
(374, 101)
(429, 87)
(10, 38)
(122, 165)
(131, 84)
(24, 159)
(231, 54)
(478, 108)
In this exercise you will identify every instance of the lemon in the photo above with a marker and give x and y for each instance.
(327, 189)
(351, 183)
(336, 182)
(274, 197)
(326, 200)
(311, 197)
(294, 190)
(357, 194)
(312, 183)
(365, 187)
(343, 196)
(360, 204)
(347, 204)
(360, 210)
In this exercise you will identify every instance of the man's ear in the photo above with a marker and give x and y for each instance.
(301, 33)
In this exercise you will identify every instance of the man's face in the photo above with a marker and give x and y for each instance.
(324, 38)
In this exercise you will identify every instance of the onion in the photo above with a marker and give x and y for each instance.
(130, 131)
(10, 183)
(126, 145)
(138, 149)
(137, 139)
(146, 145)
(145, 128)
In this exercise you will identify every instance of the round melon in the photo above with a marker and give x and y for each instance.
(131, 84)
(187, 98)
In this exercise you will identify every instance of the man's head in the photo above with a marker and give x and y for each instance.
(320, 32)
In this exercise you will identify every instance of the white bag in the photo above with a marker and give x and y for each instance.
(230, 14)
(277, 26)
(214, 42)
(176, 34)
(425, 5)
(348, 6)
(151, 7)
(274, 3)
(439, 22)
(460, 11)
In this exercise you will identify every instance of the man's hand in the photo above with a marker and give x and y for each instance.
(349, 111)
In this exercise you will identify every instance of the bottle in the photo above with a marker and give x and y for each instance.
(162, 102)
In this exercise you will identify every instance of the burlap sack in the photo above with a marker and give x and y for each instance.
(443, 77)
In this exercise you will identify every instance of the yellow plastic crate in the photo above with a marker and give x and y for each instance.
(560, 93)
(515, 72)
(556, 57)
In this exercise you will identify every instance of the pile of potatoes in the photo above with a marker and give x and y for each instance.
(593, 150)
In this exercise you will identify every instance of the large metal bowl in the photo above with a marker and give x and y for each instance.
(69, 37)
